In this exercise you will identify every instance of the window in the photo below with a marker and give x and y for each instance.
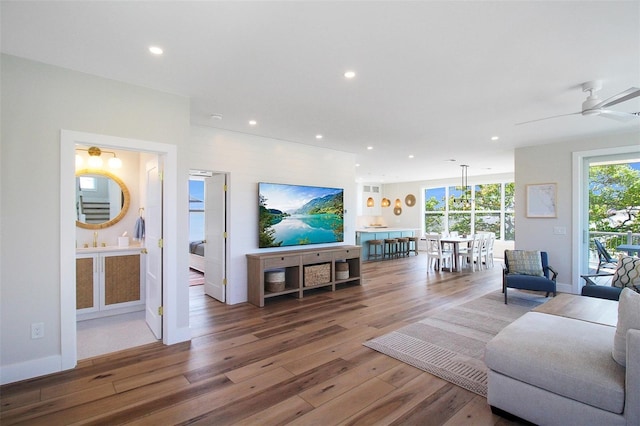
(196, 210)
(87, 183)
(491, 210)
(435, 209)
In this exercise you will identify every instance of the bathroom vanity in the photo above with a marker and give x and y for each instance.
(109, 281)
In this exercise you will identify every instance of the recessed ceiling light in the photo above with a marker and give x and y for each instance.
(357, 164)
(252, 122)
(155, 50)
(349, 74)
(495, 138)
(216, 116)
(318, 136)
(410, 155)
(369, 148)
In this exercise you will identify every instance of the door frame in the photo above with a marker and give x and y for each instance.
(172, 332)
(580, 201)
(205, 173)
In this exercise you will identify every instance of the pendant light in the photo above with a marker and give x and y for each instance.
(466, 198)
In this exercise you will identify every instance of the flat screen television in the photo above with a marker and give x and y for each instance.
(294, 215)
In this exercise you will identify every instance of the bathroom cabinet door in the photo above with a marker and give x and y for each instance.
(109, 283)
(121, 279)
(121, 282)
(87, 283)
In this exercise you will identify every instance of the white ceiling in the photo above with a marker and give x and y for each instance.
(434, 79)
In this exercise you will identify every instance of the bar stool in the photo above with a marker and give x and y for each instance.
(373, 250)
(403, 246)
(390, 247)
(413, 245)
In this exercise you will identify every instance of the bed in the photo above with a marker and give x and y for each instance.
(196, 255)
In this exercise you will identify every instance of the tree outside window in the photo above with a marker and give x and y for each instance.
(447, 210)
(614, 197)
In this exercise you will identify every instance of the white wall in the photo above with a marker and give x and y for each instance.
(251, 159)
(38, 101)
(553, 163)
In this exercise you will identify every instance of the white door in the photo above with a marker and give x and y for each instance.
(153, 239)
(215, 237)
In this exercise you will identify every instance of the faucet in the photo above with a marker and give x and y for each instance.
(95, 239)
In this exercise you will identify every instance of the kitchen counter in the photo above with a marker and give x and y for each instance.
(363, 235)
(378, 229)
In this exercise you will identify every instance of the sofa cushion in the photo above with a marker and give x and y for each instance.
(524, 262)
(565, 356)
(628, 317)
(627, 273)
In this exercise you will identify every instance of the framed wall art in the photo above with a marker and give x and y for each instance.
(541, 200)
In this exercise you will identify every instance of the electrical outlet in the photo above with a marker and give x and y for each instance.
(37, 330)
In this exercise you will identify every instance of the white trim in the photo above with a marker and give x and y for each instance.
(68, 139)
(28, 369)
(580, 243)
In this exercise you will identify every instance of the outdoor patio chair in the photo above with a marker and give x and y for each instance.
(604, 258)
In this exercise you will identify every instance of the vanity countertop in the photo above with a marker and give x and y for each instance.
(136, 246)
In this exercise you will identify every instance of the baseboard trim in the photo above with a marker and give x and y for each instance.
(30, 369)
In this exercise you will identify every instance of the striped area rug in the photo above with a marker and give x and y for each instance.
(450, 344)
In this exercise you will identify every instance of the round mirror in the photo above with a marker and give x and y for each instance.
(102, 199)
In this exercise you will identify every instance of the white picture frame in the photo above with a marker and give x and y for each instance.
(541, 200)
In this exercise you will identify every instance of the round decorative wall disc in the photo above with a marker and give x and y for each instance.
(410, 200)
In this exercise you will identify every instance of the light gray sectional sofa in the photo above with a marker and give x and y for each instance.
(552, 370)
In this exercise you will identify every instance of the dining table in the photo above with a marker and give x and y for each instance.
(456, 242)
(629, 248)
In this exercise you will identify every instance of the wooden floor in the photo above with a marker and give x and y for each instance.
(295, 361)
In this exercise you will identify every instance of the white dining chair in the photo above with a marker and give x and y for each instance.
(489, 255)
(469, 255)
(437, 257)
(481, 253)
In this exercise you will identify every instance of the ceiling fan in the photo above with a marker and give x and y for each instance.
(593, 105)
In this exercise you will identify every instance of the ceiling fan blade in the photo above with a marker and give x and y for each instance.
(620, 97)
(617, 115)
(547, 118)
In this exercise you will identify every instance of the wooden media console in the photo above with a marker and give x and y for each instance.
(303, 269)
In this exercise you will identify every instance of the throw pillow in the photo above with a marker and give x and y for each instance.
(627, 273)
(628, 317)
(525, 262)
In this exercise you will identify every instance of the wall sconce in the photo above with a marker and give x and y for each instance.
(398, 203)
(370, 202)
(95, 159)
(385, 202)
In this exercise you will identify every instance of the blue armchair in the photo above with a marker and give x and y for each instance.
(592, 289)
(515, 279)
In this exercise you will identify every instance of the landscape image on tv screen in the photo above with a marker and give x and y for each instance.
(292, 215)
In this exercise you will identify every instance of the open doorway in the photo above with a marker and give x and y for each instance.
(593, 178)
(614, 207)
(207, 233)
(119, 260)
(171, 332)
